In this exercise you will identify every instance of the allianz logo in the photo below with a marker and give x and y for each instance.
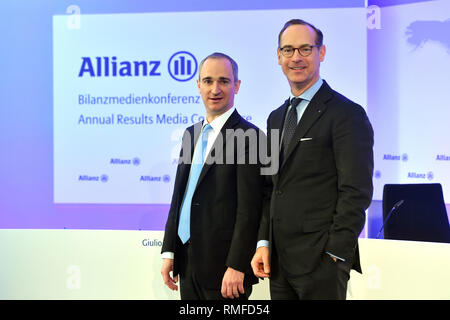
(395, 157)
(419, 175)
(182, 66)
(165, 178)
(442, 157)
(89, 178)
(117, 161)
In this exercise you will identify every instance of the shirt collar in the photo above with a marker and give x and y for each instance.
(310, 92)
(219, 122)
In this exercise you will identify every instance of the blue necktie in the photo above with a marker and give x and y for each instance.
(184, 226)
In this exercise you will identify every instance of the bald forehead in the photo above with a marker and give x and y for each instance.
(216, 66)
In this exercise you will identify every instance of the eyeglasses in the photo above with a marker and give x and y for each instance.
(304, 50)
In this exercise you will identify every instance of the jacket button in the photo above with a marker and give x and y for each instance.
(278, 192)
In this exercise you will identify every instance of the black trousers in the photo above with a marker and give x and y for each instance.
(327, 282)
(191, 289)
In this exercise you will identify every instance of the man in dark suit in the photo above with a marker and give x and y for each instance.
(212, 227)
(309, 234)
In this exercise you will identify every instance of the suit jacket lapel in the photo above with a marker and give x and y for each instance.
(188, 144)
(313, 112)
(219, 144)
(278, 120)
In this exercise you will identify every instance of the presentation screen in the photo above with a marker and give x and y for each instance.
(125, 89)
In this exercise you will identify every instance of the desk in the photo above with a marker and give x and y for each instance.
(394, 269)
(110, 264)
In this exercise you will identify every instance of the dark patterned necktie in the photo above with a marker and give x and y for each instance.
(289, 127)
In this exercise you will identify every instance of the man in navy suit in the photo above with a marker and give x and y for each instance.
(309, 233)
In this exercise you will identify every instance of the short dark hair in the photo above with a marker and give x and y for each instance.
(219, 55)
(319, 34)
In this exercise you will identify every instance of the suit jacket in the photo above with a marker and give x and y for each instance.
(226, 206)
(324, 186)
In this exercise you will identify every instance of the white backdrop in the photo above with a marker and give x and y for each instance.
(98, 158)
(408, 100)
